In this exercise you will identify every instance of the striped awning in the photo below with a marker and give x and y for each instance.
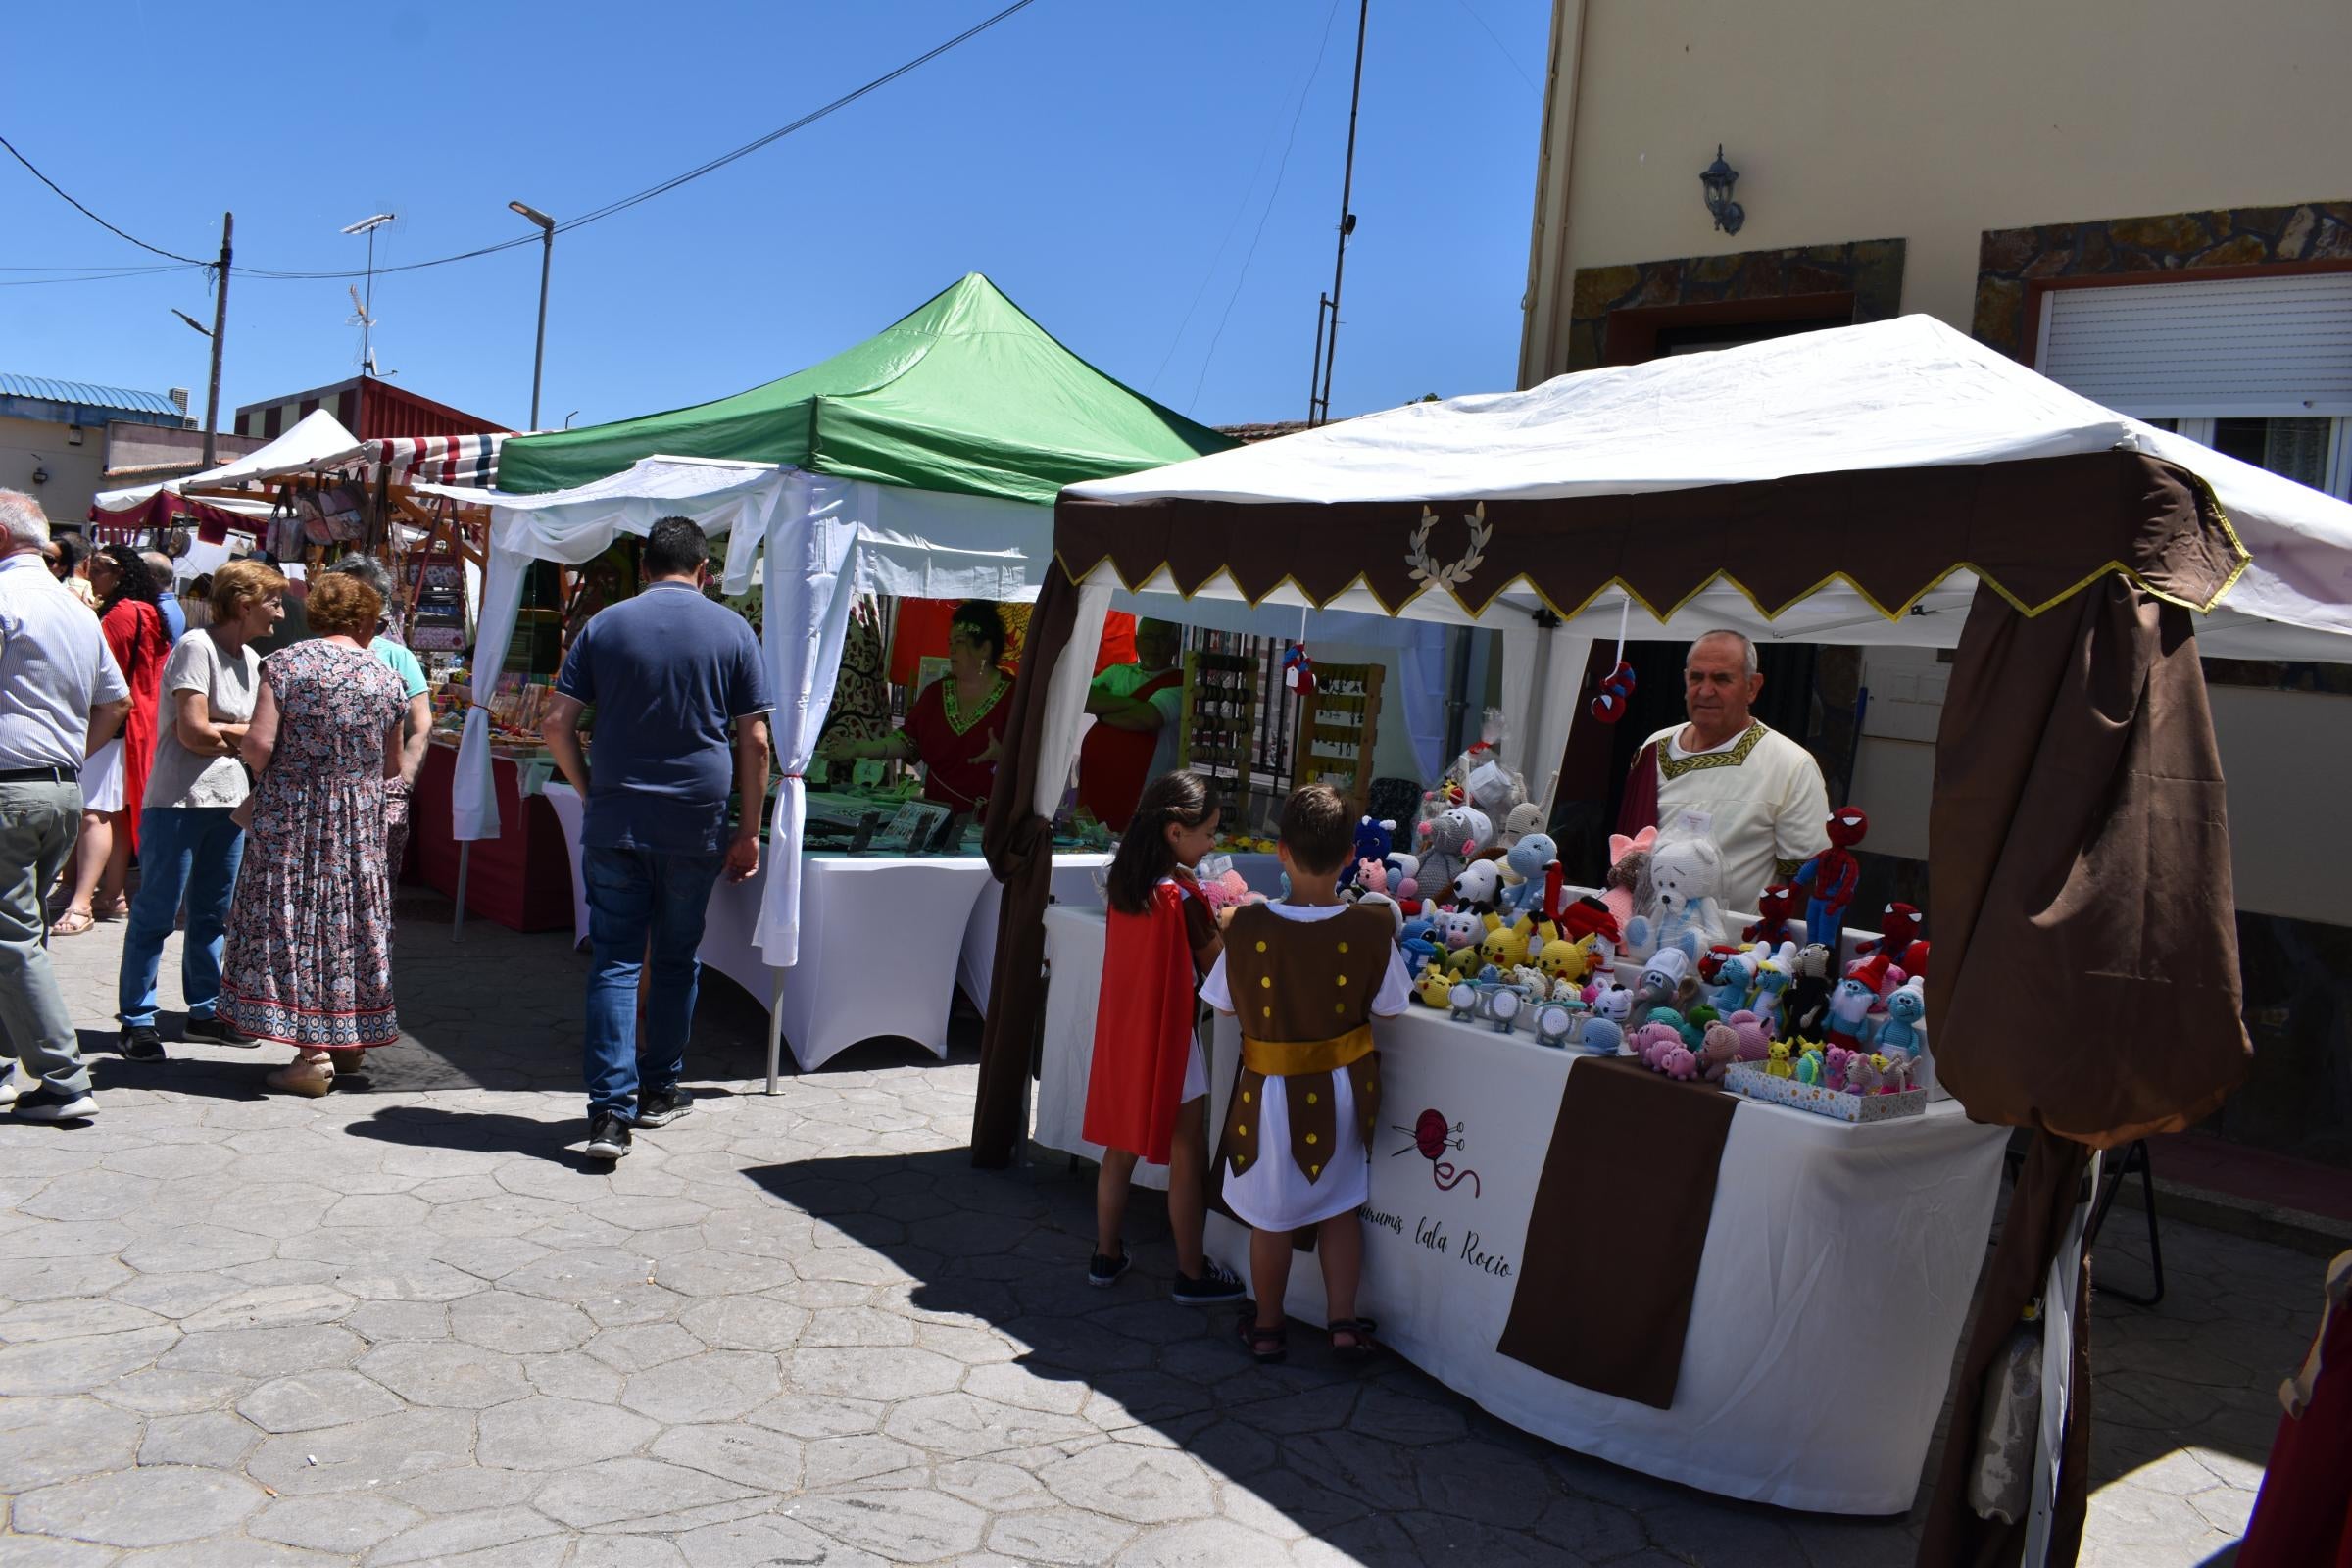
(466, 459)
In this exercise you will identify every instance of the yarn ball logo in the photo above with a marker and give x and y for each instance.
(1432, 1138)
(1454, 574)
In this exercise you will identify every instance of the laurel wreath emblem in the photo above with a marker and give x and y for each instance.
(1454, 573)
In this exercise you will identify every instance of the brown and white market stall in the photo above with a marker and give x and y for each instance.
(1891, 483)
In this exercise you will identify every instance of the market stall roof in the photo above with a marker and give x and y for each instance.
(581, 524)
(965, 396)
(1845, 486)
(318, 441)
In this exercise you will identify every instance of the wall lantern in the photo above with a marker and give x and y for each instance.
(40, 474)
(1718, 177)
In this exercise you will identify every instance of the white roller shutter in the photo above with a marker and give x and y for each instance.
(2251, 346)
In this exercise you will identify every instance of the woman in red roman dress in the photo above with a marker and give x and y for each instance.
(956, 726)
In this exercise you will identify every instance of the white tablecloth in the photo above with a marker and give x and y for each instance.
(882, 940)
(1839, 1264)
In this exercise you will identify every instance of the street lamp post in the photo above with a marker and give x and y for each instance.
(546, 258)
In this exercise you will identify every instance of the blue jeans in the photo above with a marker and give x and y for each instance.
(634, 894)
(190, 853)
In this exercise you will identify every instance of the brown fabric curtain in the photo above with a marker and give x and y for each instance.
(2085, 981)
(2047, 1189)
(2086, 978)
(1019, 845)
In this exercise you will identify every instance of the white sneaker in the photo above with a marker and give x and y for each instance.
(10, 1085)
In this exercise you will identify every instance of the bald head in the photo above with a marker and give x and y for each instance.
(161, 564)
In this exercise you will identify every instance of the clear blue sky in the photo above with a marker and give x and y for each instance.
(1107, 164)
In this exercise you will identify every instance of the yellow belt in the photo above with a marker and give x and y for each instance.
(1289, 1059)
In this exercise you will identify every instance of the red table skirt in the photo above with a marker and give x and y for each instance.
(521, 879)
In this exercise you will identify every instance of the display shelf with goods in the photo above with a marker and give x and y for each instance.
(1338, 729)
(1217, 727)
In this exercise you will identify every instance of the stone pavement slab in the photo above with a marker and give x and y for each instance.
(407, 1324)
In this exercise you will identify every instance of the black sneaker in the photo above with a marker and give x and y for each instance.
(220, 1031)
(139, 1043)
(1216, 1287)
(660, 1107)
(44, 1103)
(1103, 1272)
(607, 1135)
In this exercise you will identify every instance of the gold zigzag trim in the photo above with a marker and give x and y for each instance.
(1674, 767)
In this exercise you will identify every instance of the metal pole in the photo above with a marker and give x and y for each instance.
(212, 398)
(775, 1030)
(547, 260)
(465, 864)
(368, 309)
(1314, 373)
(1339, 269)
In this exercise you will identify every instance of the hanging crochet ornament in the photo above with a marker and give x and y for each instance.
(1297, 671)
(1616, 694)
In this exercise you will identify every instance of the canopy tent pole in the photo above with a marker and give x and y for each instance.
(457, 925)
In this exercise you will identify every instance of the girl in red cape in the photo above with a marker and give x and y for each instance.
(1146, 1096)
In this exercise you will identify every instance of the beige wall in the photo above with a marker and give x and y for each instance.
(74, 471)
(1865, 119)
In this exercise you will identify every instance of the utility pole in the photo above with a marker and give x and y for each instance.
(1328, 343)
(212, 398)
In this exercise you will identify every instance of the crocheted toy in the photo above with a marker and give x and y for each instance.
(1830, 877)
(1776, 906)
(1418, 941)
(1432, 986)
(1299, 670)
(1809, 1065)
(1898, 928)
(1776, 1061)
(1587, 917)
(1915, 961)
(1896, 1068)
(1517, 823)
(1677, 1061)
(1734, 978)
(1719, 1050)
(1628, 883)
(1567, 963)
(1906, 1006)
(1808, 1002)
(1657, 985)
(1446, 844)
(1528, 861)
(1479, 886)
(1615, 694)
(1851, 1001)
(1653, 1040)
(1865, 1075)
(1462, 1002)
(1403, 872)
(1602, 1037)
(1686, 877)
(1612, 1002)
(1505, 946)
(1772, 980)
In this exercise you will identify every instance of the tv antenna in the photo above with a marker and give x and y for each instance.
(364, 310)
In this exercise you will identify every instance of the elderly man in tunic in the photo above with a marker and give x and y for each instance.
(1728, 776)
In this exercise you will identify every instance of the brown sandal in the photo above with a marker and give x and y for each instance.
(71, 923)
(1266, 1346)
(1360, 1346)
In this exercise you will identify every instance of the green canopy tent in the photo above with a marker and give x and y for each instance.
(921, 463)
(966, 396)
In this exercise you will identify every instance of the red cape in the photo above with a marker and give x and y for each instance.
(1142, 1029)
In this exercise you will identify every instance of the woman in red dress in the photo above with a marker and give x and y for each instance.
(956, 726)
(116, 777)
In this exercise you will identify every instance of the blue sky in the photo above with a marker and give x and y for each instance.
(1109, 165)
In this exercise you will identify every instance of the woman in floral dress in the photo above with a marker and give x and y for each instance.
(309, 929)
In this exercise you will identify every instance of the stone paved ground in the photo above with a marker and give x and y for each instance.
(405, 1324)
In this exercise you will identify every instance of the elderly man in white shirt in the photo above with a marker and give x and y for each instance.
(1729, 776)
(62, 697)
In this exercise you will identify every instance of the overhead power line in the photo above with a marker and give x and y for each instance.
(594, 215)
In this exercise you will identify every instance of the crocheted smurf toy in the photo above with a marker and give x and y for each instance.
(1906, 1006)
(1830, 877)
(1851, 1001)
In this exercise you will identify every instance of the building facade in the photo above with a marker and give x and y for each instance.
(57, 438)
(2144, 199)
(368, 407)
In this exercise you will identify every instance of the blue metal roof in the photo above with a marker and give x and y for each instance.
(83, 395)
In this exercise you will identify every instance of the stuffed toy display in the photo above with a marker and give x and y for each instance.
(1686, 876)
(1445, 843)
(1898, 928)
(1478, 887)
(1525, 864)
(1587, 917)
(1808, 1003)
(1373, 841)
(1628, 881)
(1851, 1001)
(1776, 909)
(1829, 878)
(1522, 819)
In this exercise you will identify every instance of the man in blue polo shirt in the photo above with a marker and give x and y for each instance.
(668, 671)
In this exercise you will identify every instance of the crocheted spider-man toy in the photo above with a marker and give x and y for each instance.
(1831, 877)
(1776, 906)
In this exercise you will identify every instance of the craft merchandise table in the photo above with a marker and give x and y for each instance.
(518, 878)
(875, 933)
(1837, 1272)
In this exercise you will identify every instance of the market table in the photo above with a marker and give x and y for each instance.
(1837, 1272)
(516, 878)
(882, 937)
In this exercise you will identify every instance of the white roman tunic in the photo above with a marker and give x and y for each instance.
(1759, 795)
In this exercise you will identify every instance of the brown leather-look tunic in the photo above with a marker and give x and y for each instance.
(1302, 993)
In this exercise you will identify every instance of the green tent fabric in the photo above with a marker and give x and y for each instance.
(967, 395)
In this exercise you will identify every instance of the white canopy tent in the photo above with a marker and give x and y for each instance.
(316, 441)
(824, 541)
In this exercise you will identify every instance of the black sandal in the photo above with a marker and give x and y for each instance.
(1359, 1331)
(1266, 1346)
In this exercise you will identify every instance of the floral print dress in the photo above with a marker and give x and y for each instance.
(310, 928)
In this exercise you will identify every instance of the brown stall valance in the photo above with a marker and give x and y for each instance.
(2037, 530)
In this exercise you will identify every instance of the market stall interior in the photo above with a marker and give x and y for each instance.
(914, 467)
(1888, 483)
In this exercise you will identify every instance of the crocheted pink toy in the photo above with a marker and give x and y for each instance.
(1676, 1062)
(1628, 892)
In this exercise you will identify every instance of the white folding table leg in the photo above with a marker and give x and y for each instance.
(775, 1030)
(457, 927)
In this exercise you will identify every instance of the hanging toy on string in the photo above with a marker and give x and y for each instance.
(1297, 671)
(1616, 694)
